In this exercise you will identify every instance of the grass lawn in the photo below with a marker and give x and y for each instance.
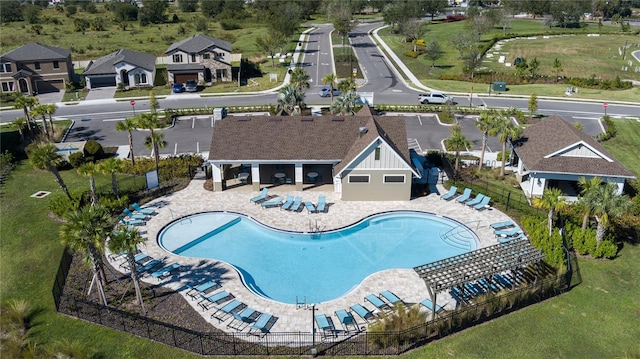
(625, 145)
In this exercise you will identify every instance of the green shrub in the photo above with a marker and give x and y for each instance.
(76, 159)
(499, 157)
(606, 249)
(230, 25)
(93, 149)
(113, 204)
(60, 205)
(412, 54)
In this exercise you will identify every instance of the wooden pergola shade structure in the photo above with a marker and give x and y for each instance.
(482, 263)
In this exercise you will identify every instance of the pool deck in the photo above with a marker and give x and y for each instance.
(292, 318)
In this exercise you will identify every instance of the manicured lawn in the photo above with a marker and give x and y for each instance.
(625, 146)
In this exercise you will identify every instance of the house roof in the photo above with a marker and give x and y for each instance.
(34, 51)
(541, 144)
(320, 138)
(106, 64)
(198, 43)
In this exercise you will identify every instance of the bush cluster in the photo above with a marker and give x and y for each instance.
(413, 54)
(551, 246)
(610, 131)
(602, 84)
(230, 25)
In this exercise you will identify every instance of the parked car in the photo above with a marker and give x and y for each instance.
(191, 86)
(326, 92)
(177, 88)
(434, 97)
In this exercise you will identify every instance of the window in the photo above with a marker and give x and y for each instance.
(136, 78)
(206, 56)
(193, 57)
(8, 87)
(359, 179)
(177, 58)
(143, 78)
(36, 65)
(5, 67)
(377, 154)
(394, 178)
(56, 65)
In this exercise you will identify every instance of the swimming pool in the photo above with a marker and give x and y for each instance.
(283, 265)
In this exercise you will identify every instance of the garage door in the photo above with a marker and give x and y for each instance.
(50, 86)
(102, 81)
(182, 78)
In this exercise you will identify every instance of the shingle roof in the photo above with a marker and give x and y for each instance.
(34, 51)
(198, 43)
(106, 64)
(554, 134)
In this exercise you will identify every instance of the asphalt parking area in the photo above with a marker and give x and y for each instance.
(428, 133)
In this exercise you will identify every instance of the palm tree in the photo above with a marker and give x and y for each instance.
(158, 140)
(19, 124)
(112, 166)
(90, 169)
(290, 99)
(49, 110)
(86, 230)
(505, 130)
(38, 111)
(45, 157)
(127, 240)
(586, 186)
(129, 125)
(552, 201)
(150, 122)
(330, 79)
(605, 204)
(345, 103)
(484, 125)
(299, 78)
(346, 85)
(23, 102)
(457, 142)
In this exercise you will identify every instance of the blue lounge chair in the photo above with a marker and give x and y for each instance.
(202, 289)
(512, 238)
(483, 204)
(363, 312)
(508, 232)
(321, 204)
(296, 204)
(475, 201)
(450, 194)
(502, 225)
(130, 222)
(223, 313)
(165, 271)
(139, 259)
(137, 208)
(287, 203)
(391, 298)
(243, 318)
(207, 302)
(325, 324)
(263, 324)
(346, 319)
(429, 305)
(309, 206)
(377, 302)
(464, 196)
(261, 197)
(148, 266)
(272, 202)
(129, 214)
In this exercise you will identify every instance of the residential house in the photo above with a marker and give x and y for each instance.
(35, 68)
(201, 58)
(363, 157)
(130, 68)
(553, 153)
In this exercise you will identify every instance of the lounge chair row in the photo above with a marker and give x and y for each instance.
(291, 203)
(479, 202)
(467, 292)
(147, 265)
(507, 231)
(136, 217)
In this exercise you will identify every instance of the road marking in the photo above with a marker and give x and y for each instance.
(324, 64)
(114, 119)
(420, 120)
(193, 122)
(175, 149)
(586, 118)
(396, 90)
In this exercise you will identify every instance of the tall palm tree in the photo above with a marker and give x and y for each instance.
(39, 111)
(19, 123)
(112, 166)
(49, 110)
(127, 240)
(129, 125)
(586, 186)
(505, 130)
(86, 230)
(90, 169)
(346, 85)
(345, 103)
(484, 124)
(457, 142)
(45, 157)
(25, 103)
(330, 79)
(150, 122)
(605, 205)
(290, 99)
(551, 201)
(158, 139)
(299, 78)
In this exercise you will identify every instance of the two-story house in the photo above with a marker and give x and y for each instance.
(35, 68)
(131, 68)
(201, 58)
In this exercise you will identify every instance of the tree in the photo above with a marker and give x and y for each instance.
(346, 85)
(533, 66)
(471, 60)
(112, 166)
(345, 103)
(299, 78)
(45, 157)
(153, 102)
(19, 124)
(557, 66)
(49, 110)
(38, 111)
(586, 187)
(211, 8)
(484, 124)
(330, 79)
(31, 13)
(339, 12)
(158, 139)
(433, 7)
(127, 240)
(285, 18)
(433, 52)
(413, 29)
(463, 42)
(90, 169)
(86, 230)
(129, 125)
(551, 201)
(152, 12)
(290, 99)
(25, 102)
(11, 11)
(269, 44)
(606, 204)
(505, 130)
(188, 5)
(456, 143)
(533, 103)
(150, 122)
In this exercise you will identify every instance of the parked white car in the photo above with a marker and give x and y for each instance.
(434, 97)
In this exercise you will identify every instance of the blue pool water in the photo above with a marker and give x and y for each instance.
(282, 265)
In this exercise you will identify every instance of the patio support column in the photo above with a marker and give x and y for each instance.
(216, 174)
(255, 176)
(299, 176)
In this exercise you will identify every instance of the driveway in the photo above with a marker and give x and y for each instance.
(50, 97)
(101, 93)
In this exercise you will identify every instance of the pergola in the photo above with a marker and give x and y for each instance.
(482, 263)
